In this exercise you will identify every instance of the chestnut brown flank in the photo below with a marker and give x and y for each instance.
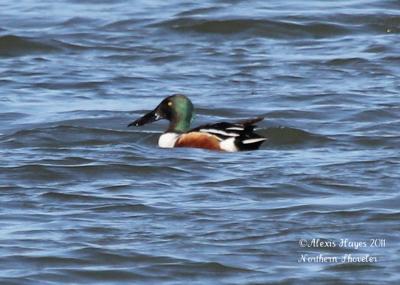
(198, 140)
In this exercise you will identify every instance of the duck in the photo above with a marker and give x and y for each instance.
(220, 136)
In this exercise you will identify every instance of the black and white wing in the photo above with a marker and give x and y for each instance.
(235, 136)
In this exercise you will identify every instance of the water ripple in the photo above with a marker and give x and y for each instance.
(255, 27)
(11, 45)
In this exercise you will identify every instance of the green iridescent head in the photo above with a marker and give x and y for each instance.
(177, 109)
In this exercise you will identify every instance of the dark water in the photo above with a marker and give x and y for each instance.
(84, 200)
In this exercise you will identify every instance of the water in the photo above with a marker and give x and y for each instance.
(85, 200)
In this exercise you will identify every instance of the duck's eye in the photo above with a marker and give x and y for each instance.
(169, 103)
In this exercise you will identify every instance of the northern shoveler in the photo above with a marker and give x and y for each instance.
(178, 110)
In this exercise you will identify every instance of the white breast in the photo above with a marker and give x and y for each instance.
(167, 140)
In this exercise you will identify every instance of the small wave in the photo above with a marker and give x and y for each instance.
(282, 190)
(376, 141)
(385, 217)
(376, 115)
(66, 136)
(103, 275)
(352, 267)
(105, 171)
(121, 208)
(281, 136)
(332, 185)
(12, 116)
(100, 253)
(254, 27)
(128, 24)
(213, 267)
(78, 22)
(347, 61)
(33, 172)
(198, 11)
(392, 59)
(73, 46)
(11, 45)
(48, 259)
(74, 197)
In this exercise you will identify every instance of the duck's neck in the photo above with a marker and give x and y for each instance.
(180, 126)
